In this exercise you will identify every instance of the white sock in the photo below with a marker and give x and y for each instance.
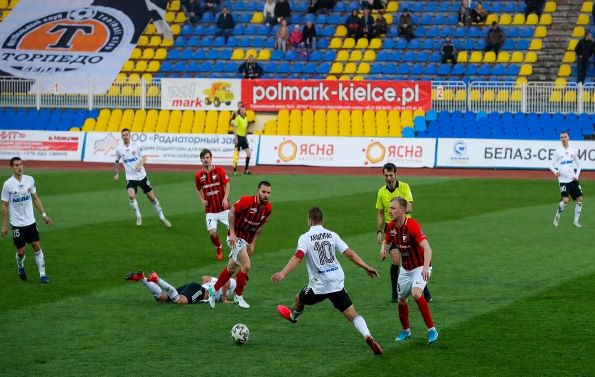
(295, 313)
(158, 209)
(20, 260)
(134, 206)
(577, 211)
(169, 290)
(152, 287)
(561, 207)
(360, 325)
(40, 261)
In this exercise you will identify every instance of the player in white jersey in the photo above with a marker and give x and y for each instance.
(566, 167)
(18, 197)
(229, 288)
(326, 277)
(134, 161)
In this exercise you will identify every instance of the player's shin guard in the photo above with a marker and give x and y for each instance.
(577, 211)
(158, 209)
(360, 324)
(40, 262)
(394, 280)
(404, 315)
(424, 309)
(241, 282)
(134, 206)
(152, 287)
(171, 292)
(222, 279)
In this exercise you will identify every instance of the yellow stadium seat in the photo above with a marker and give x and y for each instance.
(462, 57)
(150, 29)
(540, 32)
(127, 118)
(175, 119)
(535, 45)
(237, 54)
(350, 68)
(270, 127)
(583, 19)
(586, 97)
(308, 122)
(151, 120)
(516, 96)
(162, 121)
(406, 118)
(160, 54)
(587, 7)
(572, 44)
(502, 96)
(357, 123)
(337, 68)
(4, 4)
(176, 29)
(475, 95)
(560, 82)
(102, 120)
(578, 32)
(114, 90)
(342, 56)
(341, 31)
(134, 78)
(505, 19)
(564, 70)
(148, 54)
(369, 56)
(460, 95)
(141, 66)
(358, 77)
(545, 19)
(362, 43)
(521, 81)
(211, 122)
(180, 18)
(392, 6)
(139, 120)
(170, 17)
(320, 123)
(250, 116)
(344, 78)
(344, 123)
(251, 52)
(489, 96)
(518, 19)
(127, 91)
(257, 18)
(264, 54)
(283, 122)
(155, 41)
(143, 41)
(198, 124)
(332, 123)
(166, 42)
(335, 43)
(113, 124)
(516, 57)
(503, 57)
(153, 91)
(531, 57)
(569, 57)
(153, 66)
(489, 57)
(128, 66)
(382, 123)
(550, 7)
(389, 18)
(526, 70)
(491, 18)
(295, 122)
(121, 77)
(223, 122)
(136, 53)
(394, 123)
(476, 57)
(356, 56)
(363, 68)
(331, 77)
(138, 90)
(375, 43)
(532, 19)
(89, 125)
(348, 43)
(570, 96)
(173, 6)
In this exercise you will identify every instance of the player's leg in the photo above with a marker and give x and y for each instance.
(244, 261)
(343, 303)
(394, 275)
(148, 190)
(39, 259)
(20, 242)
(403, 291)
(236, 157)
(171, 292)
(226, 273)
(211, 220)
(417, 294)
(564, 197)
(578, 207)
(153, 288)
(131, 188)
(248, 155)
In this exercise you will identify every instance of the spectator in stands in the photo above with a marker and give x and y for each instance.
(324, 5)
(367, 24)
(584, 50)
(534, 6)
(353, 25)
(211, 6)
(225, 24)
(282, 36)
(250, 69)
(309, 36)
(295, 39)
(494, 39)
(311, 7)
(193, 11)
(282, 11)
(479, 14)
(406, 26)
(448, 52)
(380, 24)
(371, 4)
(464, 13)
(269, 13)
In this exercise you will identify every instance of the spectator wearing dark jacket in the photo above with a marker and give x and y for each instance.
(584, 49)
(282, 11)
(380, 24)
(309, 36)
(225, 24)
(448, 52)
(406, 28)
(367, 24)
(353, 25)
(250, 69)
(494, 39)
(479, 14)
(534, 6)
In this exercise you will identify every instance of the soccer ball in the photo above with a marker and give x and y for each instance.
(240, 333)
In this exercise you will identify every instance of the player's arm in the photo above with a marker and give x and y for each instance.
(225, 200)
(4, 219)
(141, 163)
(379, 225)
(291, 265)
(232, 220)
(554, 165)
(117, 168)
(201, 198)
(256, 234)
(358, 261)
(39, 206)
(425, 245)
(578, 167)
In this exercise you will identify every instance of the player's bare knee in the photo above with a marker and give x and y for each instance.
(416, 293)
(579, 199)
(36, 246)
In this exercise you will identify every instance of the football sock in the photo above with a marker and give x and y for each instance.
(241, 282)
(424, 309)
(169, 290)
(360, 324)
(222, 279)
(577, 211)
(20, 260)
(215, 240)
(561, 207)
(247, 163)
(134, 206)
(158, 209)
(152, 287)
(394, 278)
(236, 157)
(40, 262)
(404, 315)
(296, 313)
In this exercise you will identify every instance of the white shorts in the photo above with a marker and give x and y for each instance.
(213, 218)
(230, 291)
(409, 279)
(240, 244)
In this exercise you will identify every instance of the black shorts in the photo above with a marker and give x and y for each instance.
(143, 184)
(340, 299)
(572, 189)
(242, 143)
(22, 235)
(194, 292)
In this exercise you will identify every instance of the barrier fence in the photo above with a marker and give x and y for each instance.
(533, 97)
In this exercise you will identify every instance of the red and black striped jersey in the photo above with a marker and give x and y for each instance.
(249, 216)
(212, 184)
(406, 239)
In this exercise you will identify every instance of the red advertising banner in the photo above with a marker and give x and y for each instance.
(273, 95)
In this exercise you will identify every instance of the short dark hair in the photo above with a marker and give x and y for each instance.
(264, 183)
(124, 129)
(205, 152)
(14, 159)
(389, 166)
(494, 23)
(565, 132)
(315, 215)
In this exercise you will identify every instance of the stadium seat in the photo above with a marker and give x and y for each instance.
(583, 19)
(578, 32)
(587, 7)
(545, 19)
(535, 45)
(564, 70)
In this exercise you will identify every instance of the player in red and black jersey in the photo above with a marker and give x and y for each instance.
(406, 237)
(246, 219)
(212, 188)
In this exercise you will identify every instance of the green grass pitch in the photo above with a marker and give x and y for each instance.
(512, 294)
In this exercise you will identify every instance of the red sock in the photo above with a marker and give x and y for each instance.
(404, 315)
(215, 240)
(424, 309)
(241, 282)
(222, 279)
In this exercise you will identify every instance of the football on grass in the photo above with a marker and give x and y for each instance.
(240, 333)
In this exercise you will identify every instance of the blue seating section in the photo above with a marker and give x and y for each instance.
(44, 119)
